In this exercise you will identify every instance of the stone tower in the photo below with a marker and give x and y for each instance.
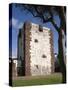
(35, 50)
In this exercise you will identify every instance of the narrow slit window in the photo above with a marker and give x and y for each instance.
(37, 66)
(40, 28)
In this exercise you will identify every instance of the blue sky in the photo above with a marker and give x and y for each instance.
(19, 17)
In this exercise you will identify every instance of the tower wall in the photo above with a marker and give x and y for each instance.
(38, 50)
(39, 56)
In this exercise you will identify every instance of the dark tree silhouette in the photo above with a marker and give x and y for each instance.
(46, 14)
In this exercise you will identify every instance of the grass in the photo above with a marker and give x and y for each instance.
(38, 80)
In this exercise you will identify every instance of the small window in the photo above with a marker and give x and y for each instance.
(44, 56)
(36, 40)
(37, 66)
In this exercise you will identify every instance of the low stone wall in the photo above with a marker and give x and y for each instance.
(14, 70)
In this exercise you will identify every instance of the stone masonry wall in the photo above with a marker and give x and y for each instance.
(27, 27)
(41, 51)
(39, 56)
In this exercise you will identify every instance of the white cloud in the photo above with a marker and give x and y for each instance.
(20, 25)
(15, 23)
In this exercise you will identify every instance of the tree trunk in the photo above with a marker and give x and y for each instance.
(63, 18)
(61, 57)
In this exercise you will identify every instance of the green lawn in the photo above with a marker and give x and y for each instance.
(38, 80)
